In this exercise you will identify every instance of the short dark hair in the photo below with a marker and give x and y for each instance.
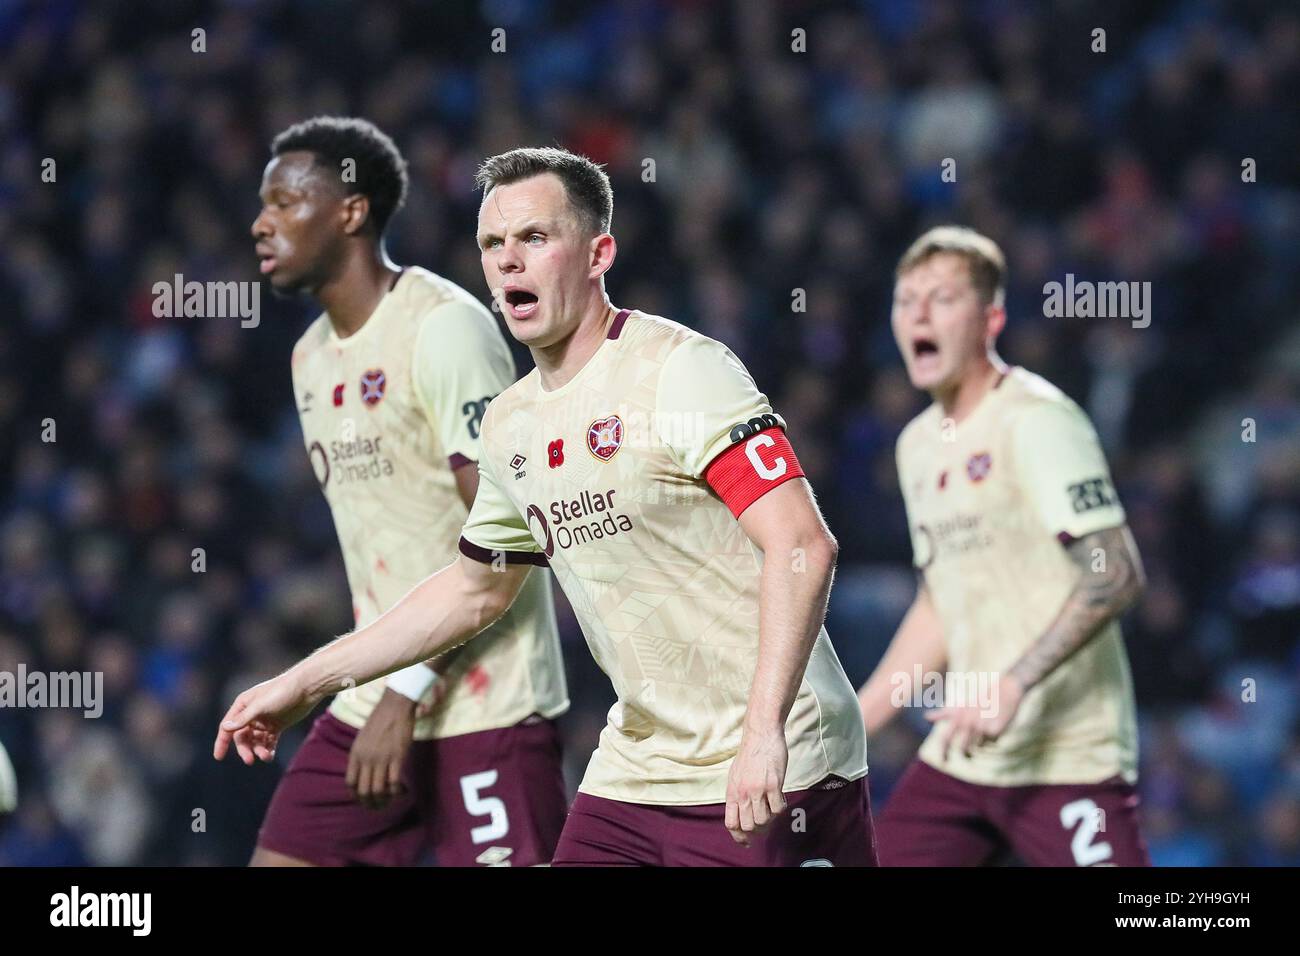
(585, 182)
(380, 169)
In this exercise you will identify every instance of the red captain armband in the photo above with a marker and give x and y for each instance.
(751, 468)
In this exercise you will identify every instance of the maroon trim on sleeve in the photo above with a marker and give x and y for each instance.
(616, 327)
(485, 556)
(457, 460)
(1066, 538)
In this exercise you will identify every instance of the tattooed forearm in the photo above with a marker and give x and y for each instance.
(1110, 581)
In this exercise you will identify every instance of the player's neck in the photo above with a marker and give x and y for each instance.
(557, 364)
(352, 294)
(962, 399)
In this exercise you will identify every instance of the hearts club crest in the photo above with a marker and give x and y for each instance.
(605, 437)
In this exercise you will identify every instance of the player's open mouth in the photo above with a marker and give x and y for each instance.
(521, 303)
(923, 348)
(266, 260)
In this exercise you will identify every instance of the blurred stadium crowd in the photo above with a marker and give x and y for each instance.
(773, 171)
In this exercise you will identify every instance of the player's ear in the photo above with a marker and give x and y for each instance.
(356, 212)
(603, 251)
(995, 320)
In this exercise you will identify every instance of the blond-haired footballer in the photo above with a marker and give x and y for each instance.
(1025, 564)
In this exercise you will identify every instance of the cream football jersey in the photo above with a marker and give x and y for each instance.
(990, 502)
(386, 414)
(603, 479)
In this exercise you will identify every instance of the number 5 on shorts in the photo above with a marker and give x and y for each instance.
(471, 788)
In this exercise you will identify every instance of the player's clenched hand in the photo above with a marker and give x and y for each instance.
(379, 752)
(754, 796)
(969, 725)
(259, 715)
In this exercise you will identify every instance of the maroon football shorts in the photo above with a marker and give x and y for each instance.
(934, 819)
(827, 825)
(495, 797)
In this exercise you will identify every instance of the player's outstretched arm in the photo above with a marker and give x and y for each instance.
(1110, 580)
(918, 642)
(378, 752)
(446, 609)
(798, 564)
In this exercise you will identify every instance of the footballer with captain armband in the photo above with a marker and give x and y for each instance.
(460, 756)
(640, 463)
(1025, 564)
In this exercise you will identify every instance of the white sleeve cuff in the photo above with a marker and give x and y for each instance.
(413, 682)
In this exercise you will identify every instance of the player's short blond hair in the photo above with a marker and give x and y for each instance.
(988, 267)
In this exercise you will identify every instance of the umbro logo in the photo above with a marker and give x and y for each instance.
(517, 463)
(495, 856)
(306, 402)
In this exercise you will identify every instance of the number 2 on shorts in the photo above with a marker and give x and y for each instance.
(1088, 817)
